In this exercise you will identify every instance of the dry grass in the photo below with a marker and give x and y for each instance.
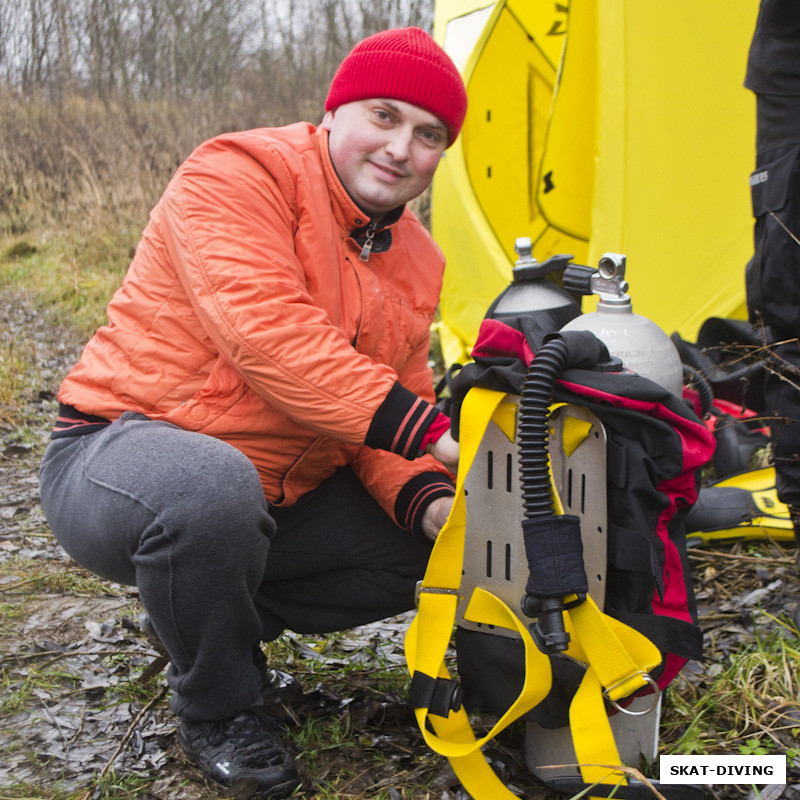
(89, 166)
(744, 698)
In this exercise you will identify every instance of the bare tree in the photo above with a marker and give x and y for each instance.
(129, 48)
(100, 100)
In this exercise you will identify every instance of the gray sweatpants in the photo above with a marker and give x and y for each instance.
(182, 516)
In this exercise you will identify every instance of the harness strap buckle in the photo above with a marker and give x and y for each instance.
(439, 695)
(433, 590)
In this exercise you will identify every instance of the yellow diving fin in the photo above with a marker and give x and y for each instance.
(743, 506)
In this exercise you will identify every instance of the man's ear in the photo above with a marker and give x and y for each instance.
(327, 120)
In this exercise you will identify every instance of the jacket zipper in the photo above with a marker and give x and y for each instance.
(370, 235)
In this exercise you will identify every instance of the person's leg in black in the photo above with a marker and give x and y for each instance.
(782, 406)
(337, 561)
(773, 283)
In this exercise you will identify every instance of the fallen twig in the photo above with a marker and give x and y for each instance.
(632, 771)
(710, 554)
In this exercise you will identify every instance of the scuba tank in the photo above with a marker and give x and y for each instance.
(639, 343)
(530, 294)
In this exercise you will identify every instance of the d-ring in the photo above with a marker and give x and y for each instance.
(656, 695)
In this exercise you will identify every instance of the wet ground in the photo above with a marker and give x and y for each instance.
(84, 694)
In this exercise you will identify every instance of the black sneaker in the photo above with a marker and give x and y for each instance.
(244, 747)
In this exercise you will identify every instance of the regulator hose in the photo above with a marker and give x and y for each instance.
(533, 429)
(534, 464)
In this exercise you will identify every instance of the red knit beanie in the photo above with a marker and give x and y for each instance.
(402, 64)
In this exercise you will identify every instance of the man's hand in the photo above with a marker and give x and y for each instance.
(446, 451)
(435, 516)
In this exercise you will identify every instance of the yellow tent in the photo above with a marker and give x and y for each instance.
(596, 126)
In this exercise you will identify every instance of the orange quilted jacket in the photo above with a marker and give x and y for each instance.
(247, 315)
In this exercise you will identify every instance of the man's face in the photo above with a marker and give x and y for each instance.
(385, 151)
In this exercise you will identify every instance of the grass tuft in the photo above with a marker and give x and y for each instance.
(70, 278)
(749, 704)
(20, 249)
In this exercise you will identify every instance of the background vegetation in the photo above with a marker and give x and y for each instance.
(100, 100)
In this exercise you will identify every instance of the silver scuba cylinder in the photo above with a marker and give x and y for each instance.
(637, 341)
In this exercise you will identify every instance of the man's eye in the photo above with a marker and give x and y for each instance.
(431, 137)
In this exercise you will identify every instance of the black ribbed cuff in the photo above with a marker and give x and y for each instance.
(416, 496)
(400, 423)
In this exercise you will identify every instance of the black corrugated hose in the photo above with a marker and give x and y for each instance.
(537, 394)
(552, 542)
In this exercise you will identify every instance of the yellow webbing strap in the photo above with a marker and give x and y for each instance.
(620, 659)
(429, 635)
(618, 656)
(453, 736)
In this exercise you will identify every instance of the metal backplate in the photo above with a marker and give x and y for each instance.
(495, 558)
(580, 477)
(494, 554)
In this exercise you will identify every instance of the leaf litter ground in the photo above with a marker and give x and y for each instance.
(85, 701)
